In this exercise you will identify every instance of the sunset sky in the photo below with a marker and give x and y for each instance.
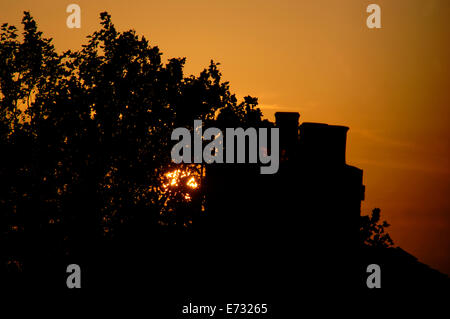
(391, 86)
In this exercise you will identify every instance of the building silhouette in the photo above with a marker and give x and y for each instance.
(299, 222)
(300, 226)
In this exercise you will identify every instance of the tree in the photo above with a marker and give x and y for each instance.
(372, 231)
(87, 134)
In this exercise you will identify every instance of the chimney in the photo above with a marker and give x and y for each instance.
(323, 143)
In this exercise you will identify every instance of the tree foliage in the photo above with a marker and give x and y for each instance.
(373, 231)
(85, 134)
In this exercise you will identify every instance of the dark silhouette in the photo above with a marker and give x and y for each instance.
(372, 231)
(85, 144)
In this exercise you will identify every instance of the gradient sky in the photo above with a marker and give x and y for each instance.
(391, 86)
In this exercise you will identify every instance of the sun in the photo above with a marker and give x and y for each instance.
(181, 181)
(175, 178)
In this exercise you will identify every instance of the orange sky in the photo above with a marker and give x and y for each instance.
(391, 86)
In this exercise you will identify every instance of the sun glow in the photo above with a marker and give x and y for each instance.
(176, 177)
(181, 181)
(192, 183)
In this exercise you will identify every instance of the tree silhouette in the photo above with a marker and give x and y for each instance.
(86, 136)
(372, 231)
